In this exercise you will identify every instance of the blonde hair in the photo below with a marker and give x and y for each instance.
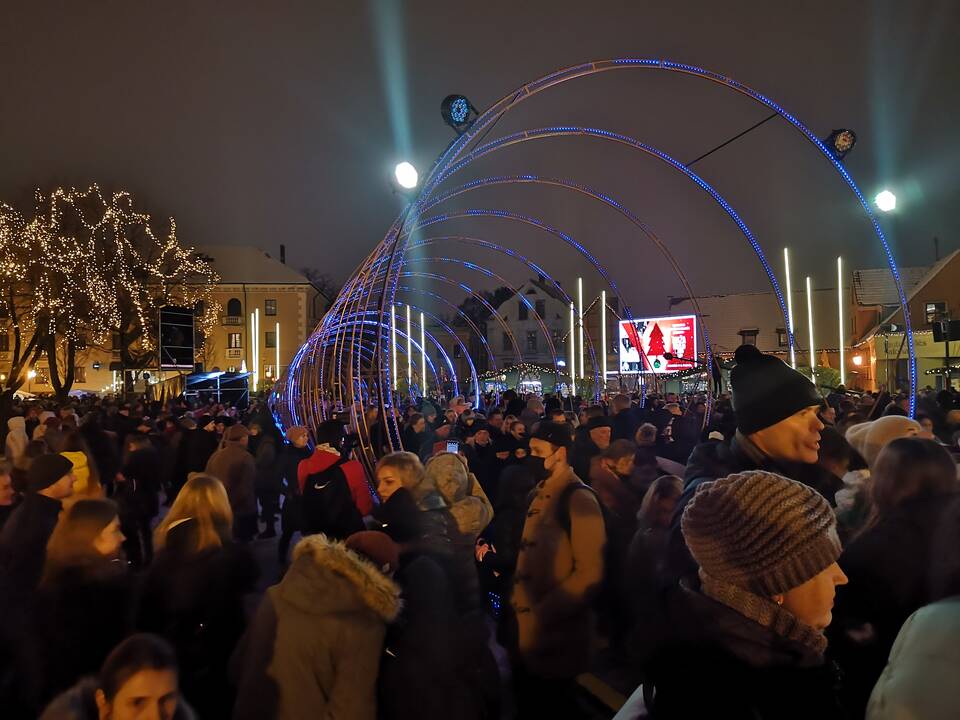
(203, 499)
(408, 465)
(71, 542)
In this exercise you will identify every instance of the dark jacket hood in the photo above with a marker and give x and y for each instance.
(326, 578)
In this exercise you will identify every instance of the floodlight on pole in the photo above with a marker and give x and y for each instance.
(409, 352)
(603, 334)
(276, 337)
(813, 348)
(791, 331)
(580, 315)
(406, 175)
(423, 357)
(886, 201)
(573, 353)
(843, 370)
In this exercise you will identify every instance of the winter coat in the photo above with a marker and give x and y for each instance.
(725, 665)
(17, 439)
(920, 679)
(196, 601)
(506, 529)
(80, 703)
(141, 492)
(23, 543)
(621, 499)
(197, 446)
(314, 645)
(424, 674)
(324, 457)
(103, 450)
(79, 614)
(558, 573)
(625, 425)
(234, 466)
(268, 469)
(888, 566)
(583, 451)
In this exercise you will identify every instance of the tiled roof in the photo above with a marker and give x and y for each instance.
(876, 287)
(248, 264)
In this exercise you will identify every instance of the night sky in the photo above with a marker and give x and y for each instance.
(265, 123)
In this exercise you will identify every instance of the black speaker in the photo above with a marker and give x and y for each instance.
(946, 329)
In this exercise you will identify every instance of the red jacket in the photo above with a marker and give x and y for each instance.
(352, 470)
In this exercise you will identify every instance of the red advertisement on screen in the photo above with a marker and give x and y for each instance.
(645, 342)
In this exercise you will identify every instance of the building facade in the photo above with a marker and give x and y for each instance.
(251, 281)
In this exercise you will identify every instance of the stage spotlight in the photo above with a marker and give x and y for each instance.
(841, 142)
(455, 110)
(886, 201)
(406, 176)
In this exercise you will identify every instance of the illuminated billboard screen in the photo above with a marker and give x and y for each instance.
(655, 337)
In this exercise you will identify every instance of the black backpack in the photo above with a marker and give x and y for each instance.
(607, 599)
(328, 506)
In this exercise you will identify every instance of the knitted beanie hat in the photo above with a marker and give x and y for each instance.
(760, 532)
(766, 390)
(869, 438)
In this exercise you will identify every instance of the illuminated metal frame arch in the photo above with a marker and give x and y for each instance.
(516, 291)
(516, 256)
(483, 122)
(473, 293)
(466, 318)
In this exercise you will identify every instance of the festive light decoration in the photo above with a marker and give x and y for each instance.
(276, 336)
(580, 316)
(393, 344)
(813, 347)
(334, 369)
(88, 265)
(603, 334)
(573, 354)
(843, 367)
(423, 357)
(409, 351)
(790, 326)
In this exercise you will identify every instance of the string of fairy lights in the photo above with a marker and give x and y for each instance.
(87, 264)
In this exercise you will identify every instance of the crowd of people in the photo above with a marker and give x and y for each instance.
(768, 553)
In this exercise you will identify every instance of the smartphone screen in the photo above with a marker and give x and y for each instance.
(453, 446)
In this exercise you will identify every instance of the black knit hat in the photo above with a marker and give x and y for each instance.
(554, 433)
(46, 470)
(766, 390)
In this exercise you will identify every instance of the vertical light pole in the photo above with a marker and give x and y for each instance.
(843, 368)
(423, 357)
(409, 352)
(276, 336)
(256, 347)
(573, 353)
(790, 329)
(580, 316)
(813, 347)
(253, 348)
(393, 344)
(603, 335)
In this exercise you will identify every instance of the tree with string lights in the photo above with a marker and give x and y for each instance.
(88, 267)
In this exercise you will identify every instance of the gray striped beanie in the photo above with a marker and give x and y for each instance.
(760, 531)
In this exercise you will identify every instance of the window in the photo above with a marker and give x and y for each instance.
(268, 371)
(541, 307)
(557, 336)
(269, 307)
(270, 339)
(783, 340)
(234, 341)
(522, 310)
(80, 374)
(531, 341)
(4, 342)
(506, 345)
(935, 311)
(115, 342)
(234, 308)
(748, 336)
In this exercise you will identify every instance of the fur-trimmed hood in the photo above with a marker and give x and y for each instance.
(327, 578)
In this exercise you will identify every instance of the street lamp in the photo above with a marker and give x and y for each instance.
(31, 374)
(406, 175)
(886, 201)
